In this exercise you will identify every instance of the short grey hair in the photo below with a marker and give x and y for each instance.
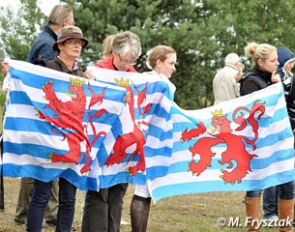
(125, 42)
(59, 14)
(231, 58)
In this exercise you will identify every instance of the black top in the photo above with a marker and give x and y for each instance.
(254, 80)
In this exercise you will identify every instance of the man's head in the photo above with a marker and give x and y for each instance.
(126, 49)
(70, 37)
(61, 15)
(232, 58)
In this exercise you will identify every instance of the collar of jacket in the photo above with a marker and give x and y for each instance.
(50, 31)
(232, 66)
(262, 74)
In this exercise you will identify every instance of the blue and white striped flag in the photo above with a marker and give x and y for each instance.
(58, 125)
(243, 144)
(55, 125)
(147, 130)
(240, 145)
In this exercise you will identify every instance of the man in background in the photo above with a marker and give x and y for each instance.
(226, 81)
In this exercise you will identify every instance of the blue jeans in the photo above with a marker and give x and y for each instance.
(270, 201)
(286, 191)
(40, 198)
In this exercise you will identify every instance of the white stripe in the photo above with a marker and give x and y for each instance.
(45, 163)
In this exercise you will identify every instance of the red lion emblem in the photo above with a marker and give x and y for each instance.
(135, 137)
(235, 146)
(69, 116)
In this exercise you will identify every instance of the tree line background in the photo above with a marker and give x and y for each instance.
(202, 32)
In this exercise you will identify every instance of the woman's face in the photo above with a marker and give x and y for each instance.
(270, 64)
(289, 66)
(124, 62)
(167, 67)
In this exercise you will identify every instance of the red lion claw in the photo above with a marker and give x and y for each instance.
(194, 168)
(132, 170)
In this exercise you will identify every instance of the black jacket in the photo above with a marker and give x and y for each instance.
(254, 80)
(58, 65)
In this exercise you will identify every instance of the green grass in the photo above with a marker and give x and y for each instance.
(2, 98)
(189, 213)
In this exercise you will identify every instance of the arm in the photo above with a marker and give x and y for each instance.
(5, 67)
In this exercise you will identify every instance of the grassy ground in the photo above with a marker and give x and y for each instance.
(190, 213)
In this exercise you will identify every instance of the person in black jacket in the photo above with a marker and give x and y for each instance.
(286, 59)
(265, 64)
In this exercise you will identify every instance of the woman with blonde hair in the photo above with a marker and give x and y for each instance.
(161, 60)
(261, 75)
(107, 46)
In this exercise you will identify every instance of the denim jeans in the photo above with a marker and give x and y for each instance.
(256, 193)
(270, 201)
(40, 198)
(286, 191)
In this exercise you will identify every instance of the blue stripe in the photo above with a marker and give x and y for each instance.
(151, 152)
(274, 138)
(44, 127)
(156, 171)
(38, 81)
(19, 97)
(122, 177)
(25, 124)
(160, 133)
(155, 110)
(278, 156)
(264, 122)
(260, 143)
(213, 186)
(38, 151)
(48, 174)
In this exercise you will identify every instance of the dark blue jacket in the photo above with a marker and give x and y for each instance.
(42, 47)
(284, 55)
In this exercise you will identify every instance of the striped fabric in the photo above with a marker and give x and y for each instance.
(58, 125)
(234, 154)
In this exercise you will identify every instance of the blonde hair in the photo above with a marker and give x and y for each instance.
(258, 51)
(107, 46)
(159, 52)
(59, 14)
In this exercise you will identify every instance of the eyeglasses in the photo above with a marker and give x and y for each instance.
(125, 62)
(74, 41)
